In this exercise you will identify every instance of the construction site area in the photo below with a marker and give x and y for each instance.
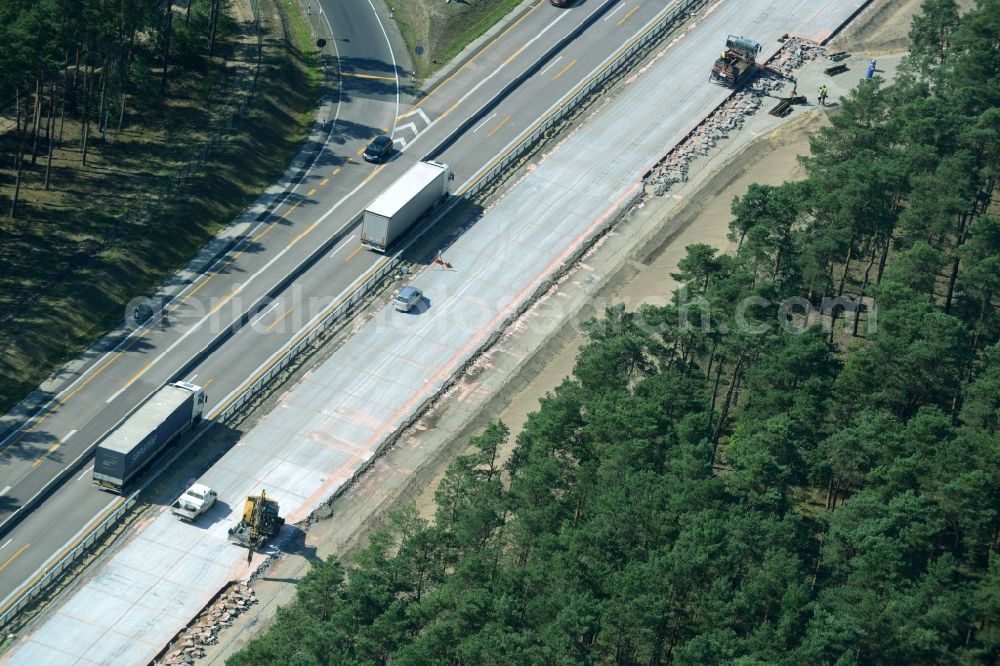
(688, 197)
(347, 466)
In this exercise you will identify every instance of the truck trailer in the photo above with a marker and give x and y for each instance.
(162, 419)
(403, 203)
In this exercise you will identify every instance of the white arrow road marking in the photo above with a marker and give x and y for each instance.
(409, 126)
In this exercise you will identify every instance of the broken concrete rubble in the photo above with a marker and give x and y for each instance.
(673, 168)
(189, 644)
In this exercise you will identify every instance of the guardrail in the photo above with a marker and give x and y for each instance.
(344, 308)
(340, 311)
(51, 574)
(610, 68)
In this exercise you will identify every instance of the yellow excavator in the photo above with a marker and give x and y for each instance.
(260, 521)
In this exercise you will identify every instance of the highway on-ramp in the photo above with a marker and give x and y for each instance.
(318, 209)
(337, 417)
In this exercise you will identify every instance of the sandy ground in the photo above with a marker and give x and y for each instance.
(536, 354)
(653, 285)
(632, 264)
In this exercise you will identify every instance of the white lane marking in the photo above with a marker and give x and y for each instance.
(116, 394)
(6, 544)
(613, 11)
(402, 142)
(484, 122)
(85, 472)
(180, 297)
(266, 312)
(68, 435)
(473, 89)
(192, 377)
(227, 256)
(419, 112)
(549, 65)
(343, 245)
(458, 191)
(4, 491)
(410, 126)
(392, 56)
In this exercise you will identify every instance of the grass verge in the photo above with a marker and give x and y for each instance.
(436, 31)
(68, 263)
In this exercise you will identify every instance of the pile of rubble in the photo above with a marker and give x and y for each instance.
(191, 642)
(673, 168)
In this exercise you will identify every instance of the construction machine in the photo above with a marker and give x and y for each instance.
(260, 521)
(737, 62)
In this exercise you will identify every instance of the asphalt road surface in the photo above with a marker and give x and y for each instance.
(337, 187)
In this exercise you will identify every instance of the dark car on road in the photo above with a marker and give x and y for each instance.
(379, 149)
(561, 3)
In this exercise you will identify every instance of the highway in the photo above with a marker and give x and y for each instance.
(317, 212)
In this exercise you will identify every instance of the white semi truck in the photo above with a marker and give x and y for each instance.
(162, 419)
(403, 203)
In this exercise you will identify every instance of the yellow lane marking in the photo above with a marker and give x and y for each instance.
(225, 300)
(370, 76)
(497, 128)
(207, 383)
(52, 448)
(199, 286)
(360, 150)
(138, 374)
(299, 237)
(87, 381)
(450, 109)
(373, 173)
(275, 322)
(630, 12)
(356, 250)
(513, 55)
(62, 401)
(45, 455)
(14, 556)
(323, 182)
(264, 233)
(65, 550)
(569, 95)
(311, 192)
(227, 263)
(563, 70)
(473, 58)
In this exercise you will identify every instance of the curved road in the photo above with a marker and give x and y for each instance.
(317, 212)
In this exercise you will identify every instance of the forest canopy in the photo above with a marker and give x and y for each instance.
(709, 495)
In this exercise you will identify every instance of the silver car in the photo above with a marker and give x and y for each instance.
(407, 298)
